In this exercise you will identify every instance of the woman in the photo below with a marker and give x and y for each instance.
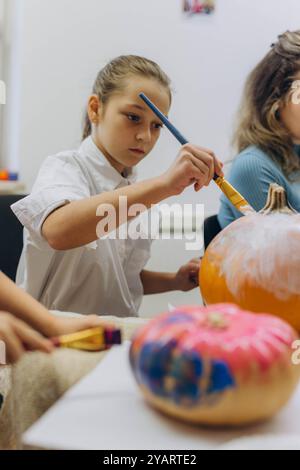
(268, 131)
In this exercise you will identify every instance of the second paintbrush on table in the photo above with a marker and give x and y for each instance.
(98, 338)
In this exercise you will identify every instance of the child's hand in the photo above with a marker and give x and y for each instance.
(62, 325)
(187, 277)
(194, 165)
(19, 337)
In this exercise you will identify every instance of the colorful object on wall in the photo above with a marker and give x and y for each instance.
(197, 7)
(215, 365)
(255, 262)
(6, 175)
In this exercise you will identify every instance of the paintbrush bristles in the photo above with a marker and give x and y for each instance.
(234, 196)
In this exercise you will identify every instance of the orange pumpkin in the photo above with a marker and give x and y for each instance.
(255, 262)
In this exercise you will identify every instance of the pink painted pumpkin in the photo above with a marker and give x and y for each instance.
(217, 365)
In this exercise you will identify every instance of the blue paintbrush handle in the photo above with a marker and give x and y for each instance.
(166, 122)
(164, 119)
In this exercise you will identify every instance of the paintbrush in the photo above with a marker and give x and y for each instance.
(94, 339)
(230, 192)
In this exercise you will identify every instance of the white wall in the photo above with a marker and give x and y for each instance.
(10, 141)
(63, 44)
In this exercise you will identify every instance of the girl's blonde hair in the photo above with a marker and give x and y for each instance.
(266, 91)
(112, 78)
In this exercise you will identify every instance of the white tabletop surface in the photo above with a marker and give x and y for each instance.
(105, 411)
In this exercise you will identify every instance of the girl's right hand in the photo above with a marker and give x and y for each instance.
(18, 337)
(194, 165)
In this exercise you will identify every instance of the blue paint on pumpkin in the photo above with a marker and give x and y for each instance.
(221, 377)
(170, 372)
(188, 365)
(154, 364)
(186, 370)
(186, 392)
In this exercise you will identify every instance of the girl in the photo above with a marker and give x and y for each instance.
(64, 263)
(28, 322)
(268, 131)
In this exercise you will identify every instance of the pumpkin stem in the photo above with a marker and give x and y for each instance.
(277, 201)
(216, 320)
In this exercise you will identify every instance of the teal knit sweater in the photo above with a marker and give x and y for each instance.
(251, 174)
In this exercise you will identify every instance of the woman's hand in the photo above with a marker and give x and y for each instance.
(194, 165)
(18, 338)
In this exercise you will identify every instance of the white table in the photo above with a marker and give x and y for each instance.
(106, 411)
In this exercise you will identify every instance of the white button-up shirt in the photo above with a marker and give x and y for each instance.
(102, 277)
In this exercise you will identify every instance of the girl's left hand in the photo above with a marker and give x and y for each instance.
(187, 276)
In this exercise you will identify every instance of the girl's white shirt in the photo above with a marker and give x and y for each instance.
(102, 277)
